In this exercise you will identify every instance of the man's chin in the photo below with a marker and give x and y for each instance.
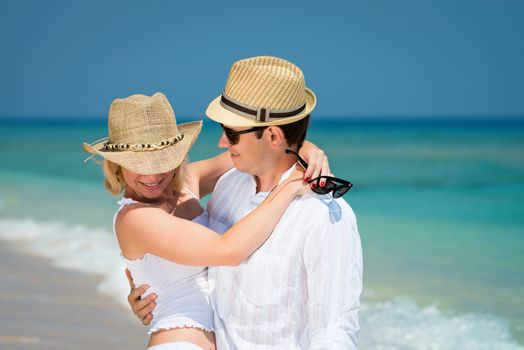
(239, 166)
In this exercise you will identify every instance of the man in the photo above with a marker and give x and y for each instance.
(301, 288)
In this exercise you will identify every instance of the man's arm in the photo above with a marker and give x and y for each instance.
(333, 263)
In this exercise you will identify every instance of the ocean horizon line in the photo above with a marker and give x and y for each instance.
(316, 120)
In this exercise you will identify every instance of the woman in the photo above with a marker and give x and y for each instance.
(144, 157)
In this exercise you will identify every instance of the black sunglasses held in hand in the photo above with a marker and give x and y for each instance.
(338, 186)
(233, 136)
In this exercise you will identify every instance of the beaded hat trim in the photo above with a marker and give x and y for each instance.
(108, 146)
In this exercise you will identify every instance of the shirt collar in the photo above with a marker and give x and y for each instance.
(260, 196)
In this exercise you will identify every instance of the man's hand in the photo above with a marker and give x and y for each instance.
(142, 308)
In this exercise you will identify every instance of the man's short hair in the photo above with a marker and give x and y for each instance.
(295, 133)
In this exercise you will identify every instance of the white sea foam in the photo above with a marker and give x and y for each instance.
(397, 324)
(400, 324)
(90, 250)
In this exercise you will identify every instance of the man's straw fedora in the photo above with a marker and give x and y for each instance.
(144, 136)
(262, 91)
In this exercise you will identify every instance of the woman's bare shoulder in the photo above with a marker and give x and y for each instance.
(135, 217)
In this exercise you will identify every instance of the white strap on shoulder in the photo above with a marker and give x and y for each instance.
(190, 192)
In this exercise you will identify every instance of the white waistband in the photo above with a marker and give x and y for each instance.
(177, 345)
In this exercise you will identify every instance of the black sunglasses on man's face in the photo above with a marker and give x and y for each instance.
(338, 186)
(233, 136)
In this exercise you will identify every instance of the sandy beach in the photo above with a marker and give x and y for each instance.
(42, 307)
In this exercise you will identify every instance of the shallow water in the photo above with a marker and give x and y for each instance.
(438, 205)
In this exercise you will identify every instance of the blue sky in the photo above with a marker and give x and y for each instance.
(362, 58)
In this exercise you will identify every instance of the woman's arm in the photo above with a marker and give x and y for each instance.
(145, 229)
(204, 174)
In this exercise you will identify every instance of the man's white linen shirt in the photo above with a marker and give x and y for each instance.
(301, 288)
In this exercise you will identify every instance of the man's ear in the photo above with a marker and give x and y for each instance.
(275, 136)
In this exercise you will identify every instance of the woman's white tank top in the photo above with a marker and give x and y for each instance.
(182, 291)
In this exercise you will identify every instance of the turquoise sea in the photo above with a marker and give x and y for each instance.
(439, 205)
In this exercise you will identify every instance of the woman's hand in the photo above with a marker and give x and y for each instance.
(317, 161)
(296, 182)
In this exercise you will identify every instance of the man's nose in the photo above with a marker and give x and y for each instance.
(223, 142)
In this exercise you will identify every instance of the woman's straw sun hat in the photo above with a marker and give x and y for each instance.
(144, 136)
(262, 91)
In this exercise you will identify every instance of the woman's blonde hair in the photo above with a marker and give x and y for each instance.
(115, 183)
